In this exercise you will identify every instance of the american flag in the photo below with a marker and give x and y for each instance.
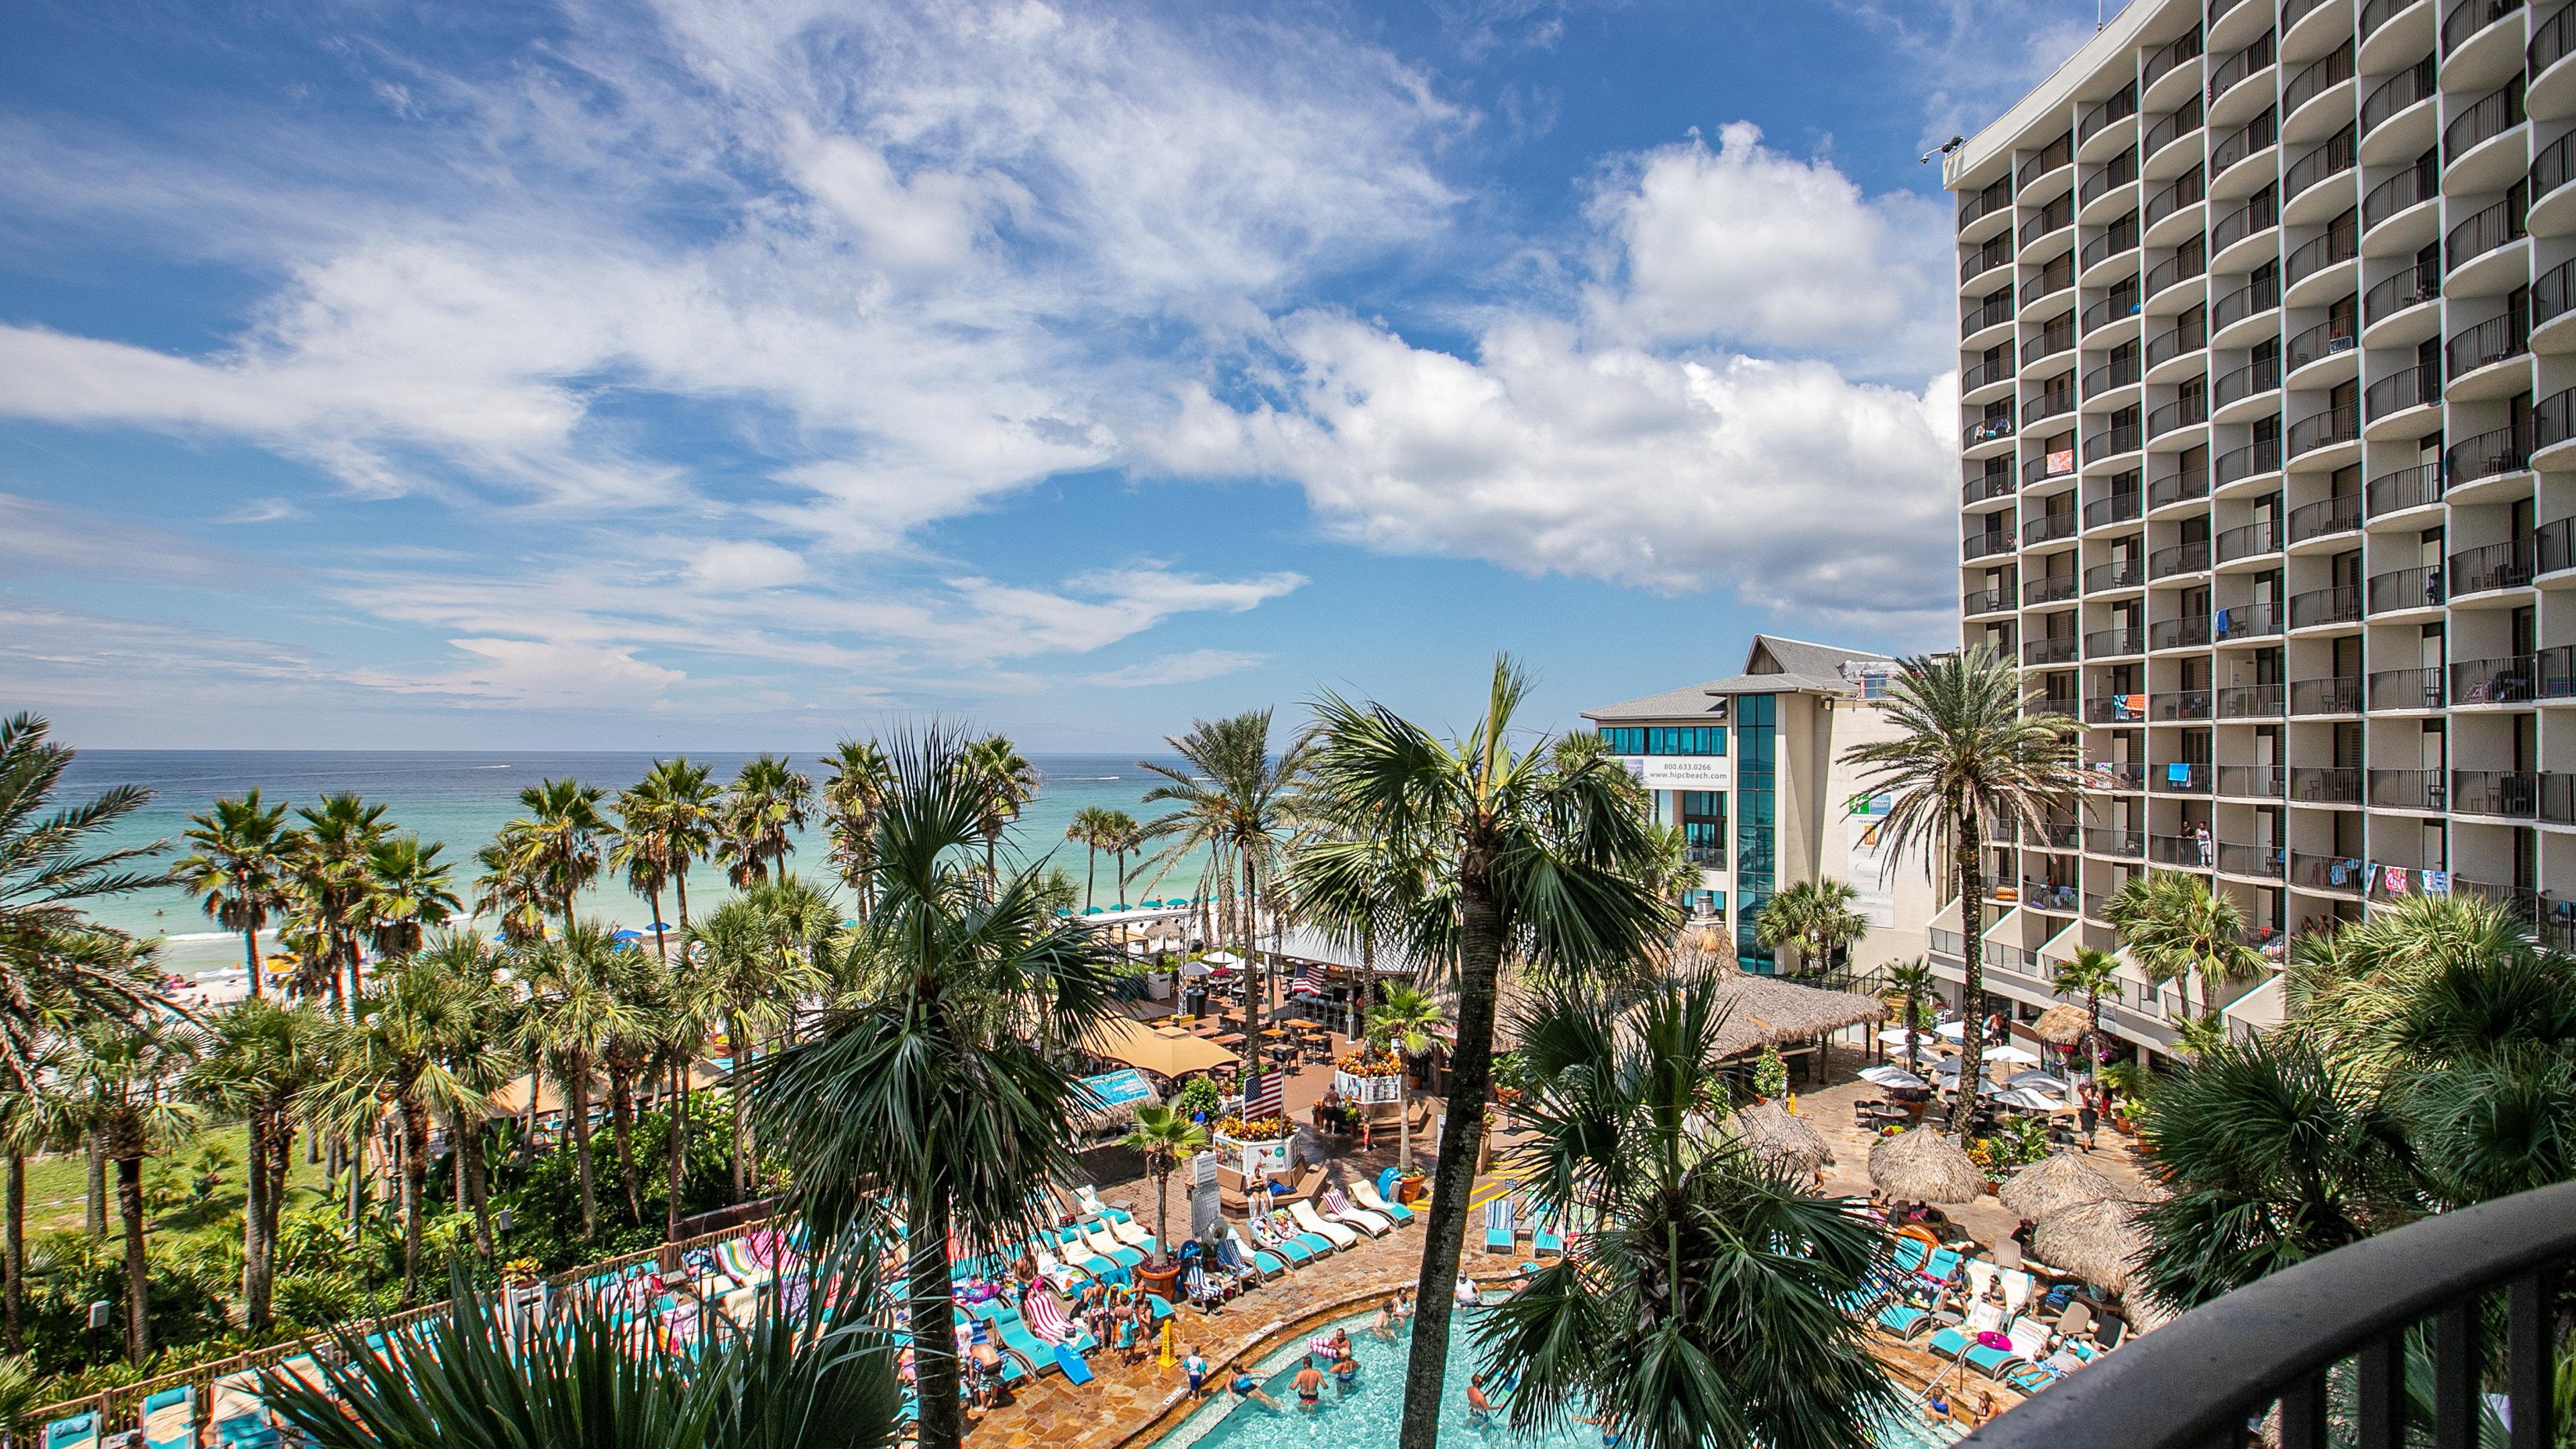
(1312, 979)
(1264, 1093)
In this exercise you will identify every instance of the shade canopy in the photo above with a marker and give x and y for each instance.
(1924, 1165)
(2058, 1181)
(1164, 1053)
(1766, 1011)
(1221, 958)
(1954, 1030)
(2011, 1055)
(2096, 1241)
(2037, 1081)
(1895, 1036)
(1195, 969)
(2062, 1025)
(1893, 1077)
(2029, 1099)
(1780, 1140)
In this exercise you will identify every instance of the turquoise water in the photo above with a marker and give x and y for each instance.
(462, 798)
(1366, 1416)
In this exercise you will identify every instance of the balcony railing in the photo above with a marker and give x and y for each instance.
(2498, 225)
(2507, 565)
(2163, 58)
(1986, 486)
(1985, 601)
(2047, 405)
(2333, 158)
(2495, 340)
(2054, 338)
(2119, 171)
(2182, 851)
(2125, 844)
(2398, 192)
(2179, 558)
(2551, 40)
(1985, 203)
(2254, 298)
(2119, 776)
(2111, 441)
(2037, 470)
(2315, 608)
(2123, 236)
(2118, 372)
(2335, 874)
(2261, 375)
(2260, 537)
(2120, 106)
(1985, 259)
(2257, 860)
(2553, 421)
(2116, 709)
(2513, 794)
(2182, 412)
(2409, 790)
(2553, 294)
(2054, 219)
(2181, 704)
(1993, 312)
(2257, 620)
(2339, 514)
(2325, 785)
(2340, 243)
(2489, 118)
(2258, 781)
(2396, 93)
(2409, 487)
(2554, 546)
(2415, 387)
(2056, 154)
(2471, 16)
(2320, 75)
(2050, 527)
(2118, 508)
(2406, 689)
(2122, 303)
(2396, 294)
(2326, 339)
(2514, 679)
(2256, 216)
(2060, 650)
(2177, 269)
(1985, 545)
(2325, 429)
(2488, 455)
(2338, 695)
(1981, 372)
(2051, 589)
(2229, 73)
(2119, 573)
(2554, 672)
(2414, 588)
(2169, 128)
(2263, 455)
(2252, 701)
(2175, 342)
(2111, 643)
(1987, 430)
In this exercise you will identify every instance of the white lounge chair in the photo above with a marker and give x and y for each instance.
(1305, 1216)
(1055, 1270)
(1981, 1276)
(1131, 1232)
(2017, 1288)
(1365, 1193)
(1337, 1208)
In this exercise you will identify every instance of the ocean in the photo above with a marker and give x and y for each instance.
(461, 799)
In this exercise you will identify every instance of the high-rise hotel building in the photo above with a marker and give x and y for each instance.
(2268, 464)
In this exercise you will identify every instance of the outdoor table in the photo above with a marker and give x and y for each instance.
(1231, 1039)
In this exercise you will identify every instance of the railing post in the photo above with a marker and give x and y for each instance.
(2303, 1413)
(2530, 1387)
(2380, 1368)
(2455, 1376)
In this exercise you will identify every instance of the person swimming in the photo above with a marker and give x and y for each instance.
(1310, 1385)
(1465, 1292)
(1346, 1370)
(1245, 1386)
(1383, 1326)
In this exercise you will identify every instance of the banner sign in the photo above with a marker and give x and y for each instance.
(1121, 1087)
(1680, 772)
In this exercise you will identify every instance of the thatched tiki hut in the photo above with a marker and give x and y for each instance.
(1779, 1140)
(1765, 1012)
(2062, 1025)
(2098, 1242)
(1924, 1165)
(2061, 1180)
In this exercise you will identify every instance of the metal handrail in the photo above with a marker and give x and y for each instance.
(2174, 341)
(2337, 156)
(2415, 588)
(2551, 42)
(2414, 387)
(2471, 16)
(2185, 633)
(2181, 267)
(2120, 105)
(2182, 412)
(2180, 703)
(2553, 420)
(2120, 170)
(2497, 339)
(2261, 375)
(2251, 701)
(2179, 558)
(2322, 74)
(2174, 52)
(2398, 192)
(1996, 253)
(2339, 514)
(2119, 573)
(2504, 450)
(2415, 83)
(2055, 337)
(2376, 13)
(2118, 438)
(1987, 485)
(2181, 485)
(2123, 236)
(2406, 289)
(2255, 135)
(2118, 372)
(2263, 455)
(2050, 527)
(2059, 152)
(1978, 374)
(2409, 789)
(2120, 507)
(2412, 486)
(2340, 242)
(2506, 565)
(2496, 226)
(2326, 339)
(2248, 621)
(2233, 71)
(2048, 589)
(1993, 311)
(2334, 604)
(2059, 650)
(2259, 295)
(2259, 214)
(1984, 601)
(2334, 425)
(2170, 128)
(2182, 191)
(2325, 784)
(2418, 688)
(2491, 116)
(2105, 643)
(2554, 166)
(2052, 218)
(2338, 694)
(2122, 303)
(1979, 205)
(2047, 405)
(2246, 541)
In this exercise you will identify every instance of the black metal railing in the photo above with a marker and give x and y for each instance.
(2179, 558)
(2261, 536)
(2409, 790)
(2050, 527)
(2055, 154)
(2256, 860)
(2126, 844)
(2258, 296)
(2171, 127)
(2257, 620)
(2263, 455)
(2513, 679)
(2339, 514)
(2414, 588)
(2118, 372)
(2181, 851)
(1985, 545)
(2253, 701)
(2325, 785)
(2413, 387)
(2499, 111)
(2165, 57)
(2116, 439)
(2250, 139)
(2179, 486)
(2111, 643)
(1993, 312)
(2125, 775)
(2057, 277)
(2191, 632)
(2182, 412)
(2505, 450)
(2256, 216)
(2327, 339)
(2315, 608)
(2554, 672)
(2471, 16)
(2414, 285)
(2553, 420)
(2404, 488)
(2178, 340)
(2339, 874)
(2048, 405)
(2512, 794)
(2507, 565)
(2046, 466)
(2338, 695)
(2119, 573)
(2118, 508)
(2182, 778)
(2419, 688)
(2061, 650)
(2120, 305)
(2398, 192)
(2175, 270)
(1987, 430)
(2120, 170)
(2496, 226)
(1985, 601)
(2415, 83)
(2333, 158)
(2054, 218)
(1996, 253)
(1985, 486)
(2553, 293)
(1979, 205)
(2184, 190)
(2325, 429)
(2554, 166)
(2554, 546)
(2122, 237)
(2237, 68)
(2497, 339)
(2057, 336)
(2048, 589)
(2340, 243)
(2320, 75)
(2551, 40)
(2119, 106)
(2261, 375)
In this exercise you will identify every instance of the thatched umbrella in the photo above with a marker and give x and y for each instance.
(2062, 1025)
(2060, 1180)
(1924, 1165)
(1781, 1140)
(2096, 1241)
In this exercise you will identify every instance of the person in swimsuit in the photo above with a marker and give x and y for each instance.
(1346, 1370)
(1466, 1291)
(1479, 1408)
(1936, 1404)
(1310, 1385)
(1383, 1326)
(1196, 1367)
(1245, 1386)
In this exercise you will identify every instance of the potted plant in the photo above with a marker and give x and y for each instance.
(1770, 1075)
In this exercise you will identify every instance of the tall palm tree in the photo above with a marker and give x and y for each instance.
(31, 1121)
(50, 959)
(127, 1076)
(629, 1054)
(2090, 976)
(477, 1055)
(767, 801)
(239, 867)
(1816, 916)
(737, 975)
(258, 1063)
(512, 888)
(1165, 1139)
(851, 798)
(576, 1008)
(674, 806)
(1093, 831)
(1966, 767)
(329, 855)
(1672, 1320)
(1238, 802)
(1121, 836)
(642, 853)
(562, 832)
(1913, 983)
(1004, 784)
(407, 895)
(1407, 1021)
(1541, 864)
(2176, 929)
(947, 1076)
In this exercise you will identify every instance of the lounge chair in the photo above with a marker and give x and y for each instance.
(1499, 1235)
(1304, 1214)
(1092, 1206)
(1298, 1254)
(1909, 1254)
(1046, 1316)
(1260, 1267)
(1903, 1319)
(2017, 1289)
(1544, 1238)
(2107, 1332)
(1015, 1334)
(1942, 1267)
(170, 1419)
(1283, 1223)
(80, 1431)
(1981, 1276)
(1203, 1291)
(240, 1415)
(1130, 1232)
(1366, 1194)
(1949, 1343)
(2074, 1319)
(1079, 1256)
(1108, 1247)
(1337, 1208)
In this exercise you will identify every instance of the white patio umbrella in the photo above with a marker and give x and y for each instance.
(2012, 1055)
(2037, 1081)
(2028, 1100)
(1946, 1067)
(1196, 969)
(1222, 958)
(1954, 1030)
(1895, 1036)
(1893, 1077)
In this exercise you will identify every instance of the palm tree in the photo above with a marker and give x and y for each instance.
(259, 1062)
(1670, 1321)
(127, 1078)
(1239, 803)
(1093, 830)
(2177, 930)
(674, 808)
(575, 1009)
(1913, 980)
(1540, 863)
(2092, 975)
(1407, 1021)
(512, 887)
(407, 894)
(766, 802)
(642, 851)
(562, 832)
(240, 868)
(1165, 1139)
(1004, 784)
(738, 976)
(51, 960)
(1122, 837)
(630, 1052)
(1816, 916)
(1967, 766)
(329, 855)
(851, 799)
(946, 1075)
(476, 1056)
(31, 1121)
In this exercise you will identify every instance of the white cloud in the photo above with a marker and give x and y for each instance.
(545, 673)
(732, 566)
(1187, 667)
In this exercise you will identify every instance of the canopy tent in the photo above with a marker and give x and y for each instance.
(1954, 1030)
(1924, 1166)
(2030, 1101)
(1895, 1036)
(1165, 1053)
(2062, 1025)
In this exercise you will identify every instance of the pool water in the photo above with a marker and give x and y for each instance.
(1366, 1415)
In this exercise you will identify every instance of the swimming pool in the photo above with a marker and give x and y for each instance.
(1366, 1416)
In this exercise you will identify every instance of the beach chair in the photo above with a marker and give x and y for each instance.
(1296, 1254)
(1304, 1214)
(1130, 1232)
(1203, 1291)
(240, 1415)
(1093, 1207)
(170, 1419)
(1942, 1267)
(1015, 1335)
(1258, 1266)
(1283, 1225)
(1909, 1254)
(80, 1431)
(1337, 1208)
(1949, 1343)
(1499, 1235)
(1544, 1238)
(1079, 1253)
(1100, 1242)
(1055, 1270)
(2017, 1289)
(2075, 1319)
(1367, 1195)
(1981, 1276)
(1904, 1320)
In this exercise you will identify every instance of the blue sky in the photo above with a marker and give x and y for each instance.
(726, 375)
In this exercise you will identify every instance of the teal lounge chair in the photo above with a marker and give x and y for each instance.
(1943, 1267)
(1499, 1235)
(1903, 1319)
(1909, 1254)
(1015, 1335)
(80, 1431)
(170, 1419)
(1544, 1238)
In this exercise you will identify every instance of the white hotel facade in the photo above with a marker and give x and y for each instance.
(2268, 461)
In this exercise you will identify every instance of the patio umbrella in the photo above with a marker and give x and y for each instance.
(1196, 969)
(2060, 1180)
(2012, 1055)
(1954, 1030)
(1924, 1165)
(1780, 1140)
(2028, 1100)
(2037, 1081)
(1221, 958)
(1946, 1067)
(2098, 1242)
(1894, 1078)
(2062, 1025)
(1895, 1036)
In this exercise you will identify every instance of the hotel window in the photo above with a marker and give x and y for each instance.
(1666, 739)
(1704, 827)
(1754, 841)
